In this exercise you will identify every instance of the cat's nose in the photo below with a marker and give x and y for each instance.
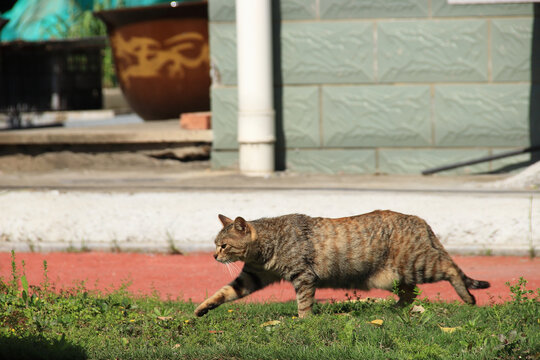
(215, 256)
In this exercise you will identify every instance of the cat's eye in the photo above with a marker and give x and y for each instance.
(223, 246)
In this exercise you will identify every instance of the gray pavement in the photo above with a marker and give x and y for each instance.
(177, 210)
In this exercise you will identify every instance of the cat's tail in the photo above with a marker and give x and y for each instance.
(476, 284)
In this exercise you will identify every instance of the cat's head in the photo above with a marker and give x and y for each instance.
(233, 240)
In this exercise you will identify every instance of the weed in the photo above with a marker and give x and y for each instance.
(173, 250)
(520, 293)
(115, 246)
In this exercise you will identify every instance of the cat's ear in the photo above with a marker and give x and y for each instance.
(225, 220)
(241, 225)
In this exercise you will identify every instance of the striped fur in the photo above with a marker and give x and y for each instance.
(374, 250)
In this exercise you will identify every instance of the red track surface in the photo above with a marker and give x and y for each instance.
(197, 276)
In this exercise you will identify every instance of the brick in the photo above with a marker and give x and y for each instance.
(347, 9)
(414, 161)
(429, 51)
(196, 121)
(326, 52)
(482, 115)
(362, 116)
(511, 49)
(331, 161)
(443, 9)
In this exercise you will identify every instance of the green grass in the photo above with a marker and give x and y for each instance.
(42, 323)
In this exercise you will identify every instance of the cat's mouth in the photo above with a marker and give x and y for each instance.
(226, 261)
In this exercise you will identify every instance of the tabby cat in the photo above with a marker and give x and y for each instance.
(374, 250)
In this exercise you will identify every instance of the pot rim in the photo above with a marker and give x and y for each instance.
(151, 8)
(116, 18)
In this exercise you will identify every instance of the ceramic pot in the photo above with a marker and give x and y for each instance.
(161, 56)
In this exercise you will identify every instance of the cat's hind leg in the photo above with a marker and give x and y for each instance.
(246, 283)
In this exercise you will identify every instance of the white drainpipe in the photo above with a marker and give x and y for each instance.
(256, 127)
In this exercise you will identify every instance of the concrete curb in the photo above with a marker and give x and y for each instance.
(186, 220)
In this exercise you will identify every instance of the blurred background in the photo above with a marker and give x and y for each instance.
(359, 87)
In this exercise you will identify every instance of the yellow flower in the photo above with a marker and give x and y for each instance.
(132, 320)
(230, 310)
(293, 317)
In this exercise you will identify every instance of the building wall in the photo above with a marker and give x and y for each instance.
(388, 86)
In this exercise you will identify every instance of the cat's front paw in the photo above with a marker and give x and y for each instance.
(201, 310)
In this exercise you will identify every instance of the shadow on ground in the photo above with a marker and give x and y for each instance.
(36, 347)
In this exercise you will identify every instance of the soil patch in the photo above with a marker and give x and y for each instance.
(164, 158)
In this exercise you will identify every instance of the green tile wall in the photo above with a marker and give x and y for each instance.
(300, 116)
(225, 10)
(442, 8)
(224, 159)
(298, 9)
(392, 86)
(347, 9)
(362, 116)
(331, 161)
(482, 115)
(414, 161)
(511, 49)
(317, 52)
(300, 108)
(223, 52)
(221, 10)
(431, 51)
(511, 163)
(224, 118)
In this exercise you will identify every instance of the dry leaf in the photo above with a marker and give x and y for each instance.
(164, 317)
(449, 329)
(176, 346)
(376, 322)
(215, 331)
(271, 323)
(417, 309)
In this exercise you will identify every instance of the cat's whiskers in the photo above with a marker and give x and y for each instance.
(235, 267)
(229, 269)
